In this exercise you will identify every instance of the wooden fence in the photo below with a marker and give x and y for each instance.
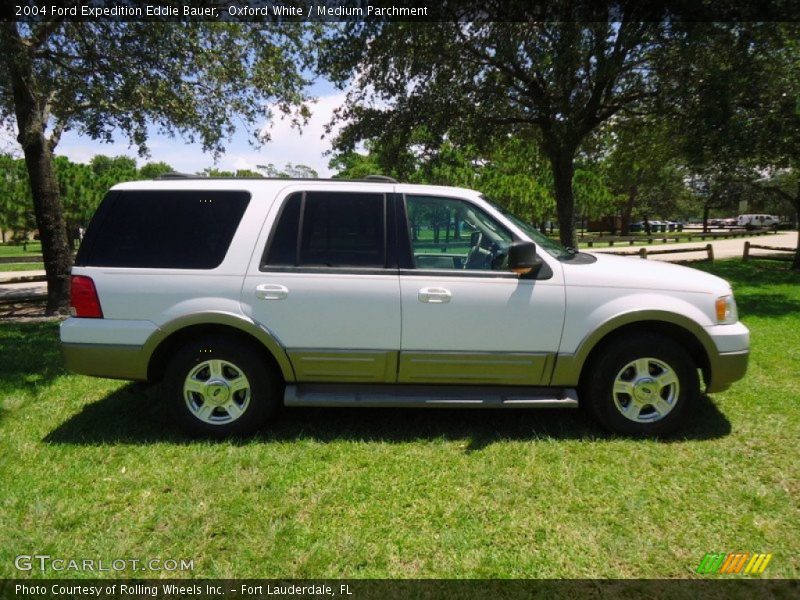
(665, 237)
(748, 246)
(644, 252)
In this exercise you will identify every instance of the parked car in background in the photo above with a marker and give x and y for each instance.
(656, 226)
(674, 226)
(760, 220)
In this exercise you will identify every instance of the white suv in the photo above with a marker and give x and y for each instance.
(241, 295)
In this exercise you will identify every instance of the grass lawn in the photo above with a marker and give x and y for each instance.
(7, 267)
(91, 468)
(17, 249)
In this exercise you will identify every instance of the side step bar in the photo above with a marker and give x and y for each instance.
(320, 394)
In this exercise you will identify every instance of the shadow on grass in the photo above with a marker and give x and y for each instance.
(133, 416)
(751, 273)
(766, 305)
(748, 280)
(29, 354)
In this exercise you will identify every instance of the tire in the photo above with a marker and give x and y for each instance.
(220, 387)
(643, 385)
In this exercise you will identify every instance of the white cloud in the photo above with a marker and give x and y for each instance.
(307, 146)
(8, 140)
(81, 149)
(287, 145)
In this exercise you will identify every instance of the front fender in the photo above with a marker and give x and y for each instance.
(610, 316)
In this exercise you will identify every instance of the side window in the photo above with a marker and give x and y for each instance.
(447, 233)
(282, 249)
(163, 229)
(334, 229)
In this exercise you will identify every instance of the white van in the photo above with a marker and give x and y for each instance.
(752, 221)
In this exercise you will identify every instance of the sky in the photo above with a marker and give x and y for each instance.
(287, 145)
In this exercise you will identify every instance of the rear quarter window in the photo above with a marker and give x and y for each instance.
(163, 229)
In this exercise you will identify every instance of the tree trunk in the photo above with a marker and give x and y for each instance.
(50, 220)
(705, 218)
(633, 193)
(563, 165)
(30, 112)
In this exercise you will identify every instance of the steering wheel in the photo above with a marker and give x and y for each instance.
(474, 251)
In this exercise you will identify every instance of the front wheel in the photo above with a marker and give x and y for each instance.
(220, 387)
(644, 385)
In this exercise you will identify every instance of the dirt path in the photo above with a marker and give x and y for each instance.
(722, 248)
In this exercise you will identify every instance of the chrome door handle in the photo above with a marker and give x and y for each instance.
(271, 291)
(434, 295)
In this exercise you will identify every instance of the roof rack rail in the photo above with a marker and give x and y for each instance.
(175, 175)
(383, 178)
(372, 178)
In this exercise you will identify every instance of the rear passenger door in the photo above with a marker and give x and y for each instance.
(327, 283)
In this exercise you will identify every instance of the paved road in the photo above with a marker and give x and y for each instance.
(22, 291)
(6, 276)
(722, 249)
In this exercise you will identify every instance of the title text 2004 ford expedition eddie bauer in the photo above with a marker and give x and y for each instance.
(239, 295)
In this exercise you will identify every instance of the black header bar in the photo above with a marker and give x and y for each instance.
(276, 11)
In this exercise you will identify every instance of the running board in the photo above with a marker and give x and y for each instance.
(320, 394)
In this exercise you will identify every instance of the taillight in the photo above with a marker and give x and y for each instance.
(83, 298)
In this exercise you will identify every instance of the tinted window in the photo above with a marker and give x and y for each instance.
(283, 244)
(342, 229)
(338, 229)
(163, 229)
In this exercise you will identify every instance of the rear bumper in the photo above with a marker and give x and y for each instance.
(105, 360)
(112, 348)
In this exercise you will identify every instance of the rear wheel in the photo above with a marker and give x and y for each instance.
(219, 387)
(645, 385)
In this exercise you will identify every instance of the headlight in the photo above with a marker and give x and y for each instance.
(726, 309)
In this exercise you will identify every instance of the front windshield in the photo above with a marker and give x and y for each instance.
(551, 246)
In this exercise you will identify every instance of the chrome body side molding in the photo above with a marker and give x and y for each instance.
(429, 396)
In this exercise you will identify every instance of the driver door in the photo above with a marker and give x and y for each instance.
(465, 317)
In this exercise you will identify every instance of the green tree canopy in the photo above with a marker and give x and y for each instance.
(734, 96)
(196, 79)
(16, 210)
(480, 82)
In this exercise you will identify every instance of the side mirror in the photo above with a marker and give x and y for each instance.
(522, 257)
